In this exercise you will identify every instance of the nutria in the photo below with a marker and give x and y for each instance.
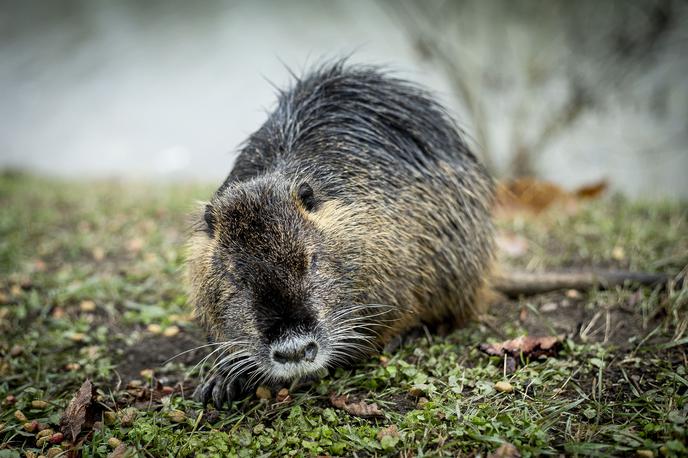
(354, 213)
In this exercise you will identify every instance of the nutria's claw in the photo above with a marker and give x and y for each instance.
(218, 389)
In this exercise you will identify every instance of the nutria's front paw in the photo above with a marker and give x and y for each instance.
(218, 389)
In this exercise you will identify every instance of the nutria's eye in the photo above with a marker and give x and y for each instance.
(305, 195)
(209, 220)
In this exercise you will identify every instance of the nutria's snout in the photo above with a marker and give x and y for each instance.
(294, 352)
(296, 356)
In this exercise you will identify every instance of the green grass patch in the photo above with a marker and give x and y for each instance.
(90, 287)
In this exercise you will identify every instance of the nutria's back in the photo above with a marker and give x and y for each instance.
(355, 211)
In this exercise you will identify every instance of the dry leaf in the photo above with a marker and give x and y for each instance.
(120, 451)
(283, 395)
(528, 346)
(80, 413)
(592, 191)
(532, 195)
(529, 194)
(358, 409)
(505, 451)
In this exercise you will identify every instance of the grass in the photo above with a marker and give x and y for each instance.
(90, 288)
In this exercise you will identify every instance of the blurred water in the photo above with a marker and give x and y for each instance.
(165, 89)
(169, 89)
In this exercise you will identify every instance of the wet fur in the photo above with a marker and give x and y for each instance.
(397, 229)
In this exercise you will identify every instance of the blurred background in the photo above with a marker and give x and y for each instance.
(573, 92)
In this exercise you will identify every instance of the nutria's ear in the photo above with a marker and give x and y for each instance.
(305, 195)
(209, 220)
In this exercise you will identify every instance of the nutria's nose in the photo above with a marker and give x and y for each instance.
(296, 353)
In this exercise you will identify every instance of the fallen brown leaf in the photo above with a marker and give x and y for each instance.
(81, 412)
(283, 395)
(120, 451)
(592, 190)
(528, 346)
(528, 194)
(356, 408)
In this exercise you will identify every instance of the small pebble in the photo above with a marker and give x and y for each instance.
(72, 367)
(56, 438)
(16, 350)
(422, 401)
(109, 417)
(549, 307)
(31, 426)
(10, 400)
(98, 253)
(154, 328)
(39, 404)
(44, 433)
(135, 383)
(263, 392)
(87, 306)
(177, 416)
(573, 294)
(54, 452)
(147, 374)
(644, 454)
(78, 337)
(618, 253)
(114, 442)
(19, 415)
(504, 387)
(30, 454)
(167, 390)
(171, 331)
(283, 395)
(416, 391)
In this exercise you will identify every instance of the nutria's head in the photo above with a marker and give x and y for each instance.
(267, 277)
